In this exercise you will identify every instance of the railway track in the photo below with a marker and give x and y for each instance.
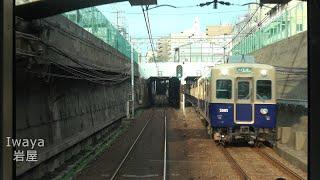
(139, 142)
(234, 164)
(243, 171)
(165, 147)
(278, 164)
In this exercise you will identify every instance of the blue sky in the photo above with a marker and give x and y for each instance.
(165, 20)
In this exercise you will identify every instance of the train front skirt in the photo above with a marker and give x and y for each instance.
(247, 122)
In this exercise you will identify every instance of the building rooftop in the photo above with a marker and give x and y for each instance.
(215, 30)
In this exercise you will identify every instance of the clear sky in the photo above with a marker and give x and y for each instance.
(165, 20)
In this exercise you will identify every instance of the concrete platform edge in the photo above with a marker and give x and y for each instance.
(291, 159)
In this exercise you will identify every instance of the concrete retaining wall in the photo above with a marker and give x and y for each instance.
(59, 33)
(67, 113)
(289, 53)
(64, 112)
(292, 120)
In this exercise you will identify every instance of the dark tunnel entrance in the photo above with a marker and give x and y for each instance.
(164, 91)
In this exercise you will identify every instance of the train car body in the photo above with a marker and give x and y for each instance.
(238, 102)
(164, 91)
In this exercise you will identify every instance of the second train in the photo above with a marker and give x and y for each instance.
(238, 101)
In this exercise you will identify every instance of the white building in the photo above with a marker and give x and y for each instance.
(168, 69)
(193, 49)
(150, 58)
(193, 45)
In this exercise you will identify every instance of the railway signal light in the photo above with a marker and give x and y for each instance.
(179, 71)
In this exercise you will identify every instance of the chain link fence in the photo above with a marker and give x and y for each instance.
(92, 20)
(289, 22)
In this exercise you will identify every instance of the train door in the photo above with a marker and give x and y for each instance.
(205, 90)
(243, 101)
(208, 99)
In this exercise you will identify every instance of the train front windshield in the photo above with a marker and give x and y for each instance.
(264, 90)
(244, 90)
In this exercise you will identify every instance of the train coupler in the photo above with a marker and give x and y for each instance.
(217, 136)
(252, 139)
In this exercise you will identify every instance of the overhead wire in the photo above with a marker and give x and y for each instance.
(70, 70)
(178, 38)
(85, 40)
(75, 77)
(242, 28)
(34, 38)
(253, 29)
(153, 48)
(147, 22)
(95, 76)
(191, 13)
(83, 65)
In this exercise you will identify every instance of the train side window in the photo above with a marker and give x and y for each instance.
(224, 89)
(264, 90)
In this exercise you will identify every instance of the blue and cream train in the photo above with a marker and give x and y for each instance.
(238, 102)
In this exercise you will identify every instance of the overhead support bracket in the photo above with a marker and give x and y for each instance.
(142, 2)
(274, 1)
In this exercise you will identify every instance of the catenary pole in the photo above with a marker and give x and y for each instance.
(132, 80)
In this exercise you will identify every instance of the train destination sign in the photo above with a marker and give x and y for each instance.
(244, 70)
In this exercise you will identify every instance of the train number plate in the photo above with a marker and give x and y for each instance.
(244, 70)
(223, 110)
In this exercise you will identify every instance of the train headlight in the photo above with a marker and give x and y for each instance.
(263, 72)
(264, 111)
(224, 71)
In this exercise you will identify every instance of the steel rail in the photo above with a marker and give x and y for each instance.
(125, 157)
(165, 147)
(278, 164)
(234, 163)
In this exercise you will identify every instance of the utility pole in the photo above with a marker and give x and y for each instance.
(178, 54)
(212, 51)
(132, 80)
(201, 52)
(190, 52)
(117, 19)
(224, 54)
(120, 19)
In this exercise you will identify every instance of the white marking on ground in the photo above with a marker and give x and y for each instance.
(174, 174)
(140, 176)
(165, 148)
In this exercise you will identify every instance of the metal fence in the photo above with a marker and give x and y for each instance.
(200, 52)
(92, 20)
(290, 22)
